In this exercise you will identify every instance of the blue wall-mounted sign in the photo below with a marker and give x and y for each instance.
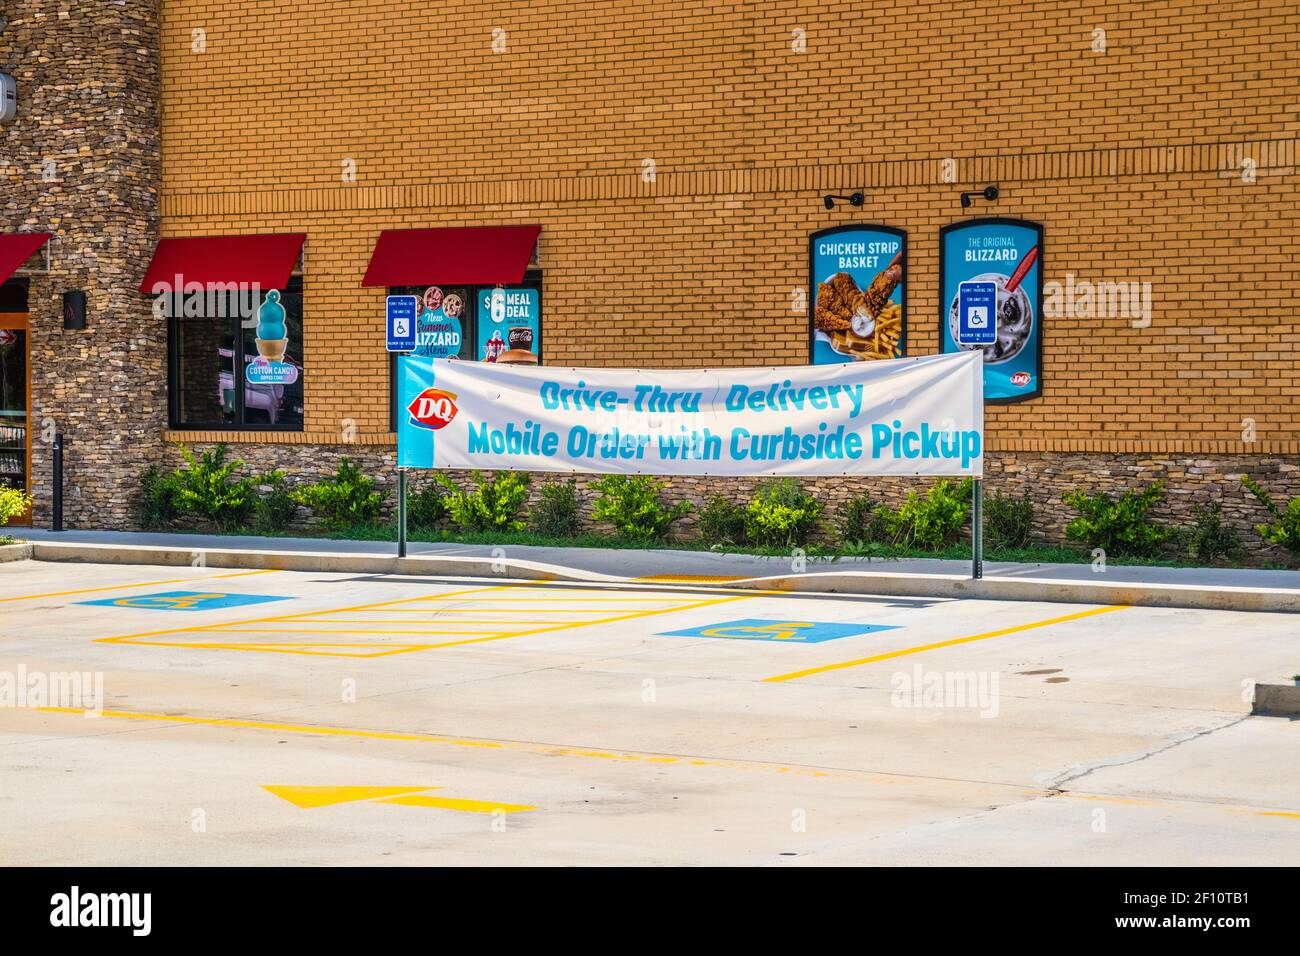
(789, 632)
(977, 313)
(437, 323)
(509, 326)
(857, 294)
(1007, 254)
(401, 311)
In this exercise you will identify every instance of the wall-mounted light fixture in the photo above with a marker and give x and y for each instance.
(988, 192)
(74, 310)
(8, 98)
(855, 199)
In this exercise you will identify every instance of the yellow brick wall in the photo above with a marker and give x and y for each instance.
(1131, 158)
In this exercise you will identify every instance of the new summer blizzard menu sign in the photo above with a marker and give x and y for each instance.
(437, 323)
(920, 416)
(857, 294)
(991, 302)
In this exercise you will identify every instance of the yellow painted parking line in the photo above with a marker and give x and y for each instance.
(135, 638)
(300, 623)
(331, 630)
(126, 587)
(794, 675)
(515, 746)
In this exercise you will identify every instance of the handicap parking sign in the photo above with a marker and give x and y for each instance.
(186, 601)
(401, 323)
(977, 313)
(792, 632)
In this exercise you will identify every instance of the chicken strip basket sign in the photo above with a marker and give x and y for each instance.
(916, 416)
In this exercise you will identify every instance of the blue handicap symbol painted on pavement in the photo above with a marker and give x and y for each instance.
(186, 601)
(755, 629)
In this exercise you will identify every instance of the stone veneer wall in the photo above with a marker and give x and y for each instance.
(81, 160)
(1189, 482)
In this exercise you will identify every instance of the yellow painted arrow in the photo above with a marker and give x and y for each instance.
(311, 797)
(453, 803)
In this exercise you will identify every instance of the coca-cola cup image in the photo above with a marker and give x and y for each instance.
(520, 352)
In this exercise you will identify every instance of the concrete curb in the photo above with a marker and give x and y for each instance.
(1276, 700)
(1035, 589)
(316, 561)
(948, 586)
(15, 552)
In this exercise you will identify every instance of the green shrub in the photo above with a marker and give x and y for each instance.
(862, 521)
(155, 506)
(1118, 526)
(781, 514)
(349, 498)
(932, 520)
(1284, 528)
(13, 503)
(1209, 538)
(274, 508)
(556, 511)
(426, 507)
(631, 504)
(493, 505)
(722, 522)
(1008, 521)
(206, 489)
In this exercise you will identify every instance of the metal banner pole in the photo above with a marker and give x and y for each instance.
(401, 512)
(977, 531)
(57, 524)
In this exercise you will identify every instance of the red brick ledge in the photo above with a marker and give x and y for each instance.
(277, 438)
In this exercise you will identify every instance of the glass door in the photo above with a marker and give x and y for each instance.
(15, 395)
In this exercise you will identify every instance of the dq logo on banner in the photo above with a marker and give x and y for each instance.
(433, 408)
(918, 416)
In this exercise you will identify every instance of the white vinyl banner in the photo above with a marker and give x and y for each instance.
(913, 416)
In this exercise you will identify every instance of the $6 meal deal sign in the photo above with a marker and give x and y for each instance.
(917, 416)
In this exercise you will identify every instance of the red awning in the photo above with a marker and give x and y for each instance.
(265, 261)
(17, 247)
(468, 255)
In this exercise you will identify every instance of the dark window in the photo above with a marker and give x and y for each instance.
(13, 296)
(469, 326)
(209, 388)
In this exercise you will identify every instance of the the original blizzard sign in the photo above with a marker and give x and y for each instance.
(918, 416)
(991, 302)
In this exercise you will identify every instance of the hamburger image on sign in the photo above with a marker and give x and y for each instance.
(432, 409)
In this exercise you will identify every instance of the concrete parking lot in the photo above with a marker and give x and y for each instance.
(293, 718)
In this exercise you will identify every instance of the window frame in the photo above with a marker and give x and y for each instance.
(295, 286)
(469, 328)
